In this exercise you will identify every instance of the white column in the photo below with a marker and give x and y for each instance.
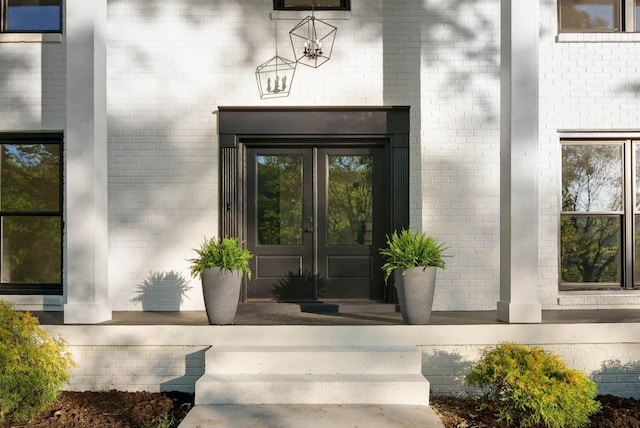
(86, 223)
(519, 296)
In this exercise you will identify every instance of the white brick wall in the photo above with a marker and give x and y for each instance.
(587, 82)
(32, 86)
(172, 358)
(172, 63)
(460, 148)
(613, 366)
(136, 368)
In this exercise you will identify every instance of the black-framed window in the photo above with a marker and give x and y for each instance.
(312, 4)
(31, 213)
(589, 16)
(31, 16)
(600, 218)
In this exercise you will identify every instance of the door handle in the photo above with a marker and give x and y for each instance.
(309, 230)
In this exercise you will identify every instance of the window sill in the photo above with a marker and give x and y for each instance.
(31, 38)
(598, 38)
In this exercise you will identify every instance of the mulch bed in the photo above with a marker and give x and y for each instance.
(458, 412)
(117, 409)
(113, 409)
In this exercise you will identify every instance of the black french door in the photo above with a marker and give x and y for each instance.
(315, 221)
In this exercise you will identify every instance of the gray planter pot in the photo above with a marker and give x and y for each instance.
(415, 293)
(221, 290)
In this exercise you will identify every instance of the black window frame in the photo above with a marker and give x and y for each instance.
(625, 11)
(37, 288)
(281, 5)
(4, 7)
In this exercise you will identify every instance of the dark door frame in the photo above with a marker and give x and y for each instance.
(238, 126)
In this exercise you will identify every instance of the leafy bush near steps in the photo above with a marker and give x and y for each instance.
(33, 365)
(530, 387)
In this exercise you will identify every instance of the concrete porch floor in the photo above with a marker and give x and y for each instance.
(344, 313)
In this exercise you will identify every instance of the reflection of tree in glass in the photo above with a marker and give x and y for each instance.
(31, 245)
(590, 249)
(30, 177)
(591, 181)
(31, 250)
(350, 198)
(280, 200)
(578, 15)
(592, 178)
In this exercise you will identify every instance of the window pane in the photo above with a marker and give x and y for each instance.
(30, 177)
(280, 200)
(592, 177)
(34, 15)
(310, 3)
(636, 240)
(589, 15)
(31, 250)
(350, 194)
(590, 249)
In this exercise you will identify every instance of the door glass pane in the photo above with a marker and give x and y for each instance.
(350, 200)
(589, 15)
(31, 250)
(590, 249)
(279, 216)
(30, 177)
(592, 177)
(34, 15)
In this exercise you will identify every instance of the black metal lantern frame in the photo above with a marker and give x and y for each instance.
(275, 77)
(312, 41)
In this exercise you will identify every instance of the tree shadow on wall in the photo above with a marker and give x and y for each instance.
(616, 378)
(446, 372)
(296, 287)
(162, 291)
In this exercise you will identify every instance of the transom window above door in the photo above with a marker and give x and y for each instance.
(31, 16)
(312, 4)
(579, 16)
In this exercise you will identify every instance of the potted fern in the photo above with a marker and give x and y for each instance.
(221, 263)
(412, 258)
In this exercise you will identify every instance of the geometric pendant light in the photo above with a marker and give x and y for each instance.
(275, 76)
(312, 41)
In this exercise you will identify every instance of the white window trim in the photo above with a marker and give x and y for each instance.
(598, 37)
(598, 298)
(31, 38)
(629, 134)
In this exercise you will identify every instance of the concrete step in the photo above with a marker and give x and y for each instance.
(313, 359)
(407, 389)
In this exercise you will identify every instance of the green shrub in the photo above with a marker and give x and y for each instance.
(531, 387)
(33, 365)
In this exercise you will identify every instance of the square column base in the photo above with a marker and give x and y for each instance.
(520, 312)
(87, 313)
